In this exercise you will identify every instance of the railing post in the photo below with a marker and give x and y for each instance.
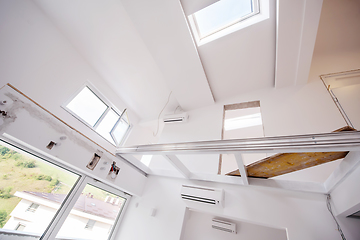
(178, 165)
(241, 166)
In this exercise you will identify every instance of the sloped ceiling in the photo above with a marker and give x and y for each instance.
(144, 50)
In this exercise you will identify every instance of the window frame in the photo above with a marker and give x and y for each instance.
(101, 118)
(247, 20)
(70, 200)
(90, 224)
(115, 126)
(20, 224)
(256, 9)
(31, 208)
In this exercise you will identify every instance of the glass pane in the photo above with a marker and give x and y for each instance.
(87, 106)
(221, 14)
(93, 215)
(31, 191)
(243, 121)
(120, 130)
(107, 124)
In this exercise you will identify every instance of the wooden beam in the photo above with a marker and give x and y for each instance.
(283, 163)
(289, 162)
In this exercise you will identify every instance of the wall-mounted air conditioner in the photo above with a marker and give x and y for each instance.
(202, 195)
(224, 226)
(176, 118)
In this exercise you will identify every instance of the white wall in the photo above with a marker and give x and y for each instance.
(345, 200)
(304, 215)
(35, 127)
(287, 111)
(203, 124)
(198, 226)
(39, 60)
(31, 220)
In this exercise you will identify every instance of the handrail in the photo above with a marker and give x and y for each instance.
(327, 142)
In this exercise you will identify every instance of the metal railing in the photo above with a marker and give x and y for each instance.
(326, 142)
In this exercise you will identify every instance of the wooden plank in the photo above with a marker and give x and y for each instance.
(288, 162)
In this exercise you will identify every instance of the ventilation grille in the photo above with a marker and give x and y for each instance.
(194, 196)
(198, 199)
(222, 229)
(171, 120)
(176, 118)
(224, 226)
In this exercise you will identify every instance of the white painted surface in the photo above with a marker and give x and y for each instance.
(296, 34)
(285, 111)
(105, 36)
(198, 226)
(36, 222)
(37, 128)
(349, 98)
(33, 223)
(203, 124)
(228, 160)
(162, 26)
(345, 199)
(346, 195)
(304, 215)
(38, 60)
(243, 60)
(337, 45)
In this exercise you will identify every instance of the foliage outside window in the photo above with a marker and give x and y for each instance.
(33, 191)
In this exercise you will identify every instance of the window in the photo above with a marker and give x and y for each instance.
(26, 182)
(20, 227)
(32, 207)
(35, 181)
(99, 115)
(88, 106)
(222, 18)
(241, 120)
(101, 209)
(90, 224)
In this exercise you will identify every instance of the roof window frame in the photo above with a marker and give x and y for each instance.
(109, 105)
(261, 12)
(256, 10)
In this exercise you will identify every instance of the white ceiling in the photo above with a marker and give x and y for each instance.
(337, 46)
(338, 31)
(144, 50)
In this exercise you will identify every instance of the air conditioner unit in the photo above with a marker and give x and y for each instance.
(202, 195)
(176, 118)
(224, 226)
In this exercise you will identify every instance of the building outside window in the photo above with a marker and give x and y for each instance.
(33, 207)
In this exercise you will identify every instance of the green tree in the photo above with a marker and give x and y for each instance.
(3, 216)
(4, 150)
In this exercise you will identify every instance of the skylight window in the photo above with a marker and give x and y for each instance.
(221, 15)
(99, 115)
(87, 106)
(243, 122)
